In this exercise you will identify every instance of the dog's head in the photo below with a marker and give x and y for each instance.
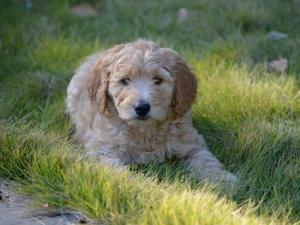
(142, 82)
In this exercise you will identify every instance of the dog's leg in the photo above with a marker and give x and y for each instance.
(113, 162)
(206, 166)
(106, 159)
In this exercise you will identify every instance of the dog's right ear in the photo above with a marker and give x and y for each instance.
(98, 79)
(97, 86)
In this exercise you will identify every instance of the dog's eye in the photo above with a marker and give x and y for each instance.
(157, 81)
(125, 81)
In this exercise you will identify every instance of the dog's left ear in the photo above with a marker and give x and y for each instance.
(185, 82)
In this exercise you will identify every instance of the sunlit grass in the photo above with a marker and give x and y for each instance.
(52, 172)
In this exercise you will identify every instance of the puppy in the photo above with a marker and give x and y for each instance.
(131, 104)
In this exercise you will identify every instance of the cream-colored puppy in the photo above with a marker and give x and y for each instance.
(131, 104)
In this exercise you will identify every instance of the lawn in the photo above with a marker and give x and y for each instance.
(249, 117)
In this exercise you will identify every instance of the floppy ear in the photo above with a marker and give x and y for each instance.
(185, 82)
(98, 79)
(97, 86)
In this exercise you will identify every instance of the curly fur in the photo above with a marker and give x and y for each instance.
(101, 106)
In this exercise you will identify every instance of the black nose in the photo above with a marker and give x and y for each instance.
(142, 109)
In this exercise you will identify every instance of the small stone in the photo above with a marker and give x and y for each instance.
(83, 219)
(46, 205)
(276, 35)
(278, 66)
(84, 10)
(182, 15)
(28, 4)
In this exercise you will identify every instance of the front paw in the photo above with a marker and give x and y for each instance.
(223, 177)
(229, 178)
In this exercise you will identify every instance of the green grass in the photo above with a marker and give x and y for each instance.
(250, 118)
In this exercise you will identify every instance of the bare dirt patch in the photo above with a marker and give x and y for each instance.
(15, 209)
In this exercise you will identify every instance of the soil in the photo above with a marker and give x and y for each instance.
(15, 209)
